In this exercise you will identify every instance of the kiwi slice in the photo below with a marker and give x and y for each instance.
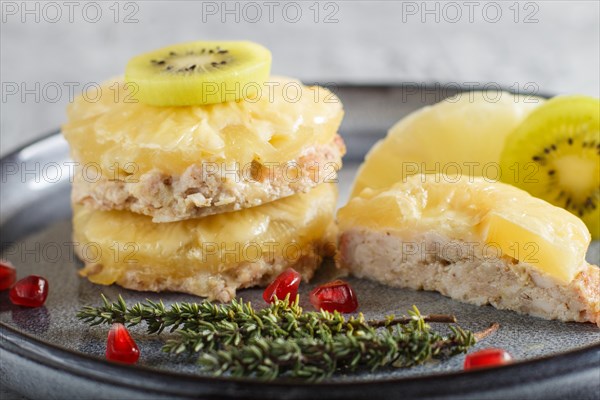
(199, 73)
(555, 155)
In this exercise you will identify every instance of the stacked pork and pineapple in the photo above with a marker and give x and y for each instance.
(200, 173)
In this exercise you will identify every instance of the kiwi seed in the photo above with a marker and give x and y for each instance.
(200, 60)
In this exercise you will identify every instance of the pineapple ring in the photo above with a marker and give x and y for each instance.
(211, 256)
(119, 136)
(490, 215)
(462, 135)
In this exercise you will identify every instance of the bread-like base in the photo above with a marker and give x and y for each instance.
(221, 286)
(453, 268)
(213, 188)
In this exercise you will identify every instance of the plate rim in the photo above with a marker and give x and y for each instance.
(573, 361)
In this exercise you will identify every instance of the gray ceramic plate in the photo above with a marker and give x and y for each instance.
(47, 352)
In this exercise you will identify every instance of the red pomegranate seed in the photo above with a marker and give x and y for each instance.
(120, 346)
(30, 291)
(8, 275)
(334, 296)
(286, 283)
(487, 358)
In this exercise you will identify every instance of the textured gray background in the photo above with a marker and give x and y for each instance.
(376, 41)
(371, 42)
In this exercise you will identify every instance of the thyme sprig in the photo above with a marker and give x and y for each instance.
(210, 324)
(282, 339)
(314, 359)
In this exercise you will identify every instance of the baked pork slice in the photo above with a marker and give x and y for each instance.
(475, 241)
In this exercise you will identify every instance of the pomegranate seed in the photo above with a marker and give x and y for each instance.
(334, 296)
(487, 358)
(30, 291)
(120, 346)
(8, 275)
(286, 283)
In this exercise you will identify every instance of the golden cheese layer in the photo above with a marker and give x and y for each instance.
(108, 128)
